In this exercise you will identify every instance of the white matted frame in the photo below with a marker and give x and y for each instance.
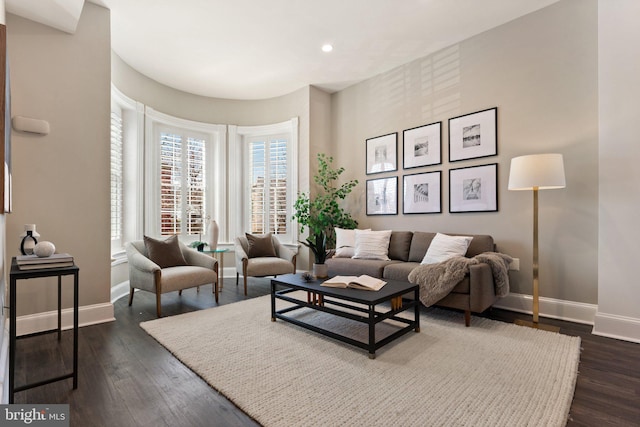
(382, 196)
(382, 153)
(473, 189)
(422, 146)
(422, 193)
(473, 135)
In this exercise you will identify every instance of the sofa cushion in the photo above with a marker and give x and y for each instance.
(372, 244)
(443, 247)
(399, 271)
(260, 245)
(345, 242)
(356, 267)
(399, 245)
(419, 245)
(165, 253)
(480, 243)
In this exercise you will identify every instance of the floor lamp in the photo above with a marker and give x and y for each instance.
(536, 172)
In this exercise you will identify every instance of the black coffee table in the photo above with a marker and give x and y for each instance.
(349, 303)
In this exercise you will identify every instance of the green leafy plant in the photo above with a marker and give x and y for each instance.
(198, 243)
(322, 212)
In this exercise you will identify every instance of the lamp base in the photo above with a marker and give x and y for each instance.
(536, 325)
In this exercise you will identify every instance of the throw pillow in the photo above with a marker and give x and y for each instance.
(165, 253)
(345, 243)
(372, 244)
(260, 245)
(443, 247)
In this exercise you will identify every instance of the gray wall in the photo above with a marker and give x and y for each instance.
(61, 180)
(541, 73)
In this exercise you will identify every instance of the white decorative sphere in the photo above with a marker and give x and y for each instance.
(44, 249)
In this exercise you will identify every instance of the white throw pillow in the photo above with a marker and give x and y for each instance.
(372, 244)
(345, 243)
(443, 247)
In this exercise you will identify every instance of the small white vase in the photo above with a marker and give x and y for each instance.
(28, 239)
(320, 270)
(213, 232)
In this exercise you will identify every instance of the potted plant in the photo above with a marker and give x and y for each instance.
(198, 245)
(321, 213)
(197, 217)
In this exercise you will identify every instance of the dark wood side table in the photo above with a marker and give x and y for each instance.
(17, 274)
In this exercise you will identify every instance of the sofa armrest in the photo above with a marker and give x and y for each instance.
(140, 262)
(283, 252)
(482, 292)
(193, 257)
(240, 254)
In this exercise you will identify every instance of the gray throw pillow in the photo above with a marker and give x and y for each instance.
(260, 245)
(165, 253)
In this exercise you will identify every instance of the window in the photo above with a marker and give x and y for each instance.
(116, 176)
(268, 199)
(265, 159)
(127, 128)
(185, 176)
(182, 185)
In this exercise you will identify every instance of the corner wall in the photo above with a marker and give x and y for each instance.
(541, 72)
(619, 90)
(61, 180)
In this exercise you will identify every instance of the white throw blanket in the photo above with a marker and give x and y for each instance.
(437, 280)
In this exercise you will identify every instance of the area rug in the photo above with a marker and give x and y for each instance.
(490, 374)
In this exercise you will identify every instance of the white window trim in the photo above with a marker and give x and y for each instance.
(237, 151)
(216, 177)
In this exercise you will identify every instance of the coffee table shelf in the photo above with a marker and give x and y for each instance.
(361, 306)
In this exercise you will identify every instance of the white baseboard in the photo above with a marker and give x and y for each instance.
(569, 311)
(87, 315)
(618, 327)
(119, 291)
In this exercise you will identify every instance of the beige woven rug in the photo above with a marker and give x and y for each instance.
(490, 374)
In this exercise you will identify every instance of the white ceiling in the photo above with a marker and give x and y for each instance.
(254, 49)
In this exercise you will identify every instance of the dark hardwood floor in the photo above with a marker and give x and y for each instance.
(127, 379)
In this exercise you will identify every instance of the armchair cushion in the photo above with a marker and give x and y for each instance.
(165, 253)
(260, 245)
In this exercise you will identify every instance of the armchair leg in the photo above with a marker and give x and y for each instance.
(158, 305)
(467, 318)
(215, 284)
(130, 296)
(245, 286)
(237, 278)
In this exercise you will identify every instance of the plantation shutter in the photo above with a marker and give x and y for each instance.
(196, 186)
(268, 177)
(116, 176)
(182, 184)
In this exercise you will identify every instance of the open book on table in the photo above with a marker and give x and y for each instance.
(355, 282)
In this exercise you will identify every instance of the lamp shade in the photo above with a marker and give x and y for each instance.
(545, 171)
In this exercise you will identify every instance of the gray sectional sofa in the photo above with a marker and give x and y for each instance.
(475, 293)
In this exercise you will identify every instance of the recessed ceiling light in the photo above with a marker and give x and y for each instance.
(327, 48)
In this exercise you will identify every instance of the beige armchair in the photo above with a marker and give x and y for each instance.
(145, 274)
(284, 261)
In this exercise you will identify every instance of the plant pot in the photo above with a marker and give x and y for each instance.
(320, 270)
(200, 247)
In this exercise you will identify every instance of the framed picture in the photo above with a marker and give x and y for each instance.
(473, 189)
(382, 196)
(473, 135)
(422, 146)
(382, 153)
(422, 193)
